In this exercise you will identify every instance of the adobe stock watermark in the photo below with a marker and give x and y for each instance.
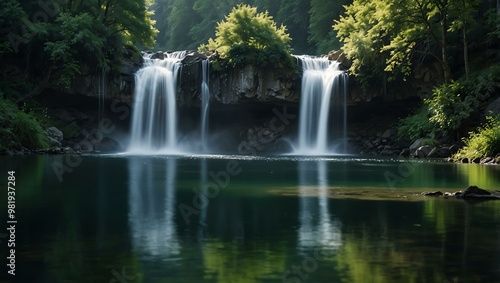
(91, 138)
(301, 272)
(122, 277)
(220, 180)
(403, 172)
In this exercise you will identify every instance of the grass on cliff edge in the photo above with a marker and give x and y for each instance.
(484, 142)
(19, 129)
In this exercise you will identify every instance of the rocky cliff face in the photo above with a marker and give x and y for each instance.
(118, 85)
(235, 86)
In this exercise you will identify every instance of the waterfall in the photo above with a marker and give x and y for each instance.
(205, 101)
(101, 92)
(154, 118)
(324, 88)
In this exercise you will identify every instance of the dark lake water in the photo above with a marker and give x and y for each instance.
(231, 219)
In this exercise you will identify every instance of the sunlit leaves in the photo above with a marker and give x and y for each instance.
(450, 105)
(246, 36)
(390, 33)
(484, 142)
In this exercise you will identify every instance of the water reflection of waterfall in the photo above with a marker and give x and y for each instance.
(203, 190)
(316, 224)
(152, 206)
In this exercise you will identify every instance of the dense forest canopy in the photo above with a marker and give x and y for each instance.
(380, 37)
(185, 24)
(56, 37)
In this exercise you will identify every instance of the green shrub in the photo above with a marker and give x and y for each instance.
(247, 37)
(19, 129)
(415, 126)
(450, 105)
(485, 141)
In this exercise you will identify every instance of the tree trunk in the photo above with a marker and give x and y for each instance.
(466, 51)
(444, 50)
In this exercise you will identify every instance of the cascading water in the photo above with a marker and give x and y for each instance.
(102, 92)
(205, 101)
(154, 118)
(323, 82)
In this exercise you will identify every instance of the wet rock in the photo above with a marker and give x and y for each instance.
(448, 195)
(83, 147)
(416, 144)
(432, 194)
(474, 190)
(433, 153)
(54, 133)
(193, 57)
(54, 136)
(476, 193)
(108, 145)
(158, 55)
(388, 151)
(486, 160)
(387, 134)
(476, 160)
(339, 56)
(54, 150)
(405, 152)
(423, 151)
(53, 142)
(444, 152)
(454, 148)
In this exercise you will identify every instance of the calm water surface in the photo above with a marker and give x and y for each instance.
(246, 219)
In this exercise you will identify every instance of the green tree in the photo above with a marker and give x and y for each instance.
(322, 14)
(247, 37)
(58, 40)
(161, 8)
(291, 14)
(180, 21)
(210, 12)
(12, 19)
(464, 11)
(396, 32)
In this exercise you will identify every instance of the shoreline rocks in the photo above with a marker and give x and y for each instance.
(471, 193)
